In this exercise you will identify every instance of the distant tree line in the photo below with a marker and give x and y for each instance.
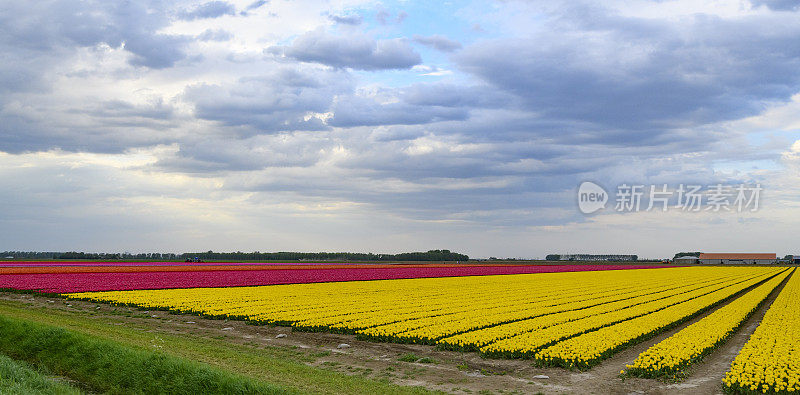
(431, 255)
(30, 254)
(105, 255)
(86, 255)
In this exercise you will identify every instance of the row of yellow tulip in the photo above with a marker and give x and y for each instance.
(518, 296)
(430, 329)
(670, 357)
(527, 343)
(570, 323)
(588, 349)
(558, 305)
(292, 303)
(404, 300)
(770, 361)
(364, 304)
(503, 305)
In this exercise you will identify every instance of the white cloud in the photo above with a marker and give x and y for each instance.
(191, 136)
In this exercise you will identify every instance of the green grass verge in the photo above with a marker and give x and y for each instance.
(19, 378)
(281, 366)
(107, 366)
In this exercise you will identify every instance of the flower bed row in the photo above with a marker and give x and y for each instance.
(87, 282)
(337, 304)
(589, 349)
(386, 310)
(143, 268)
(529, 343)
(607, 295)
(769, 363)
(670, 357)
(641, 300)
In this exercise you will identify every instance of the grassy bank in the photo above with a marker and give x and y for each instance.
(107, 366)
(280, 366)
(20, 378)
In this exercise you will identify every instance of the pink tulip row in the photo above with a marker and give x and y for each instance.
(85, 282)
(100, 263)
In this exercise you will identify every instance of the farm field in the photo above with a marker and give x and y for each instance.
(770, 361)
(243, 197)
(55, 277)
(637, 329)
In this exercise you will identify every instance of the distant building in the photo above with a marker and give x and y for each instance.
(593, 257)
(733, 258)
(689, 259)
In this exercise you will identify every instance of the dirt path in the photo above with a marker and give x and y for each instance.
(453, 372)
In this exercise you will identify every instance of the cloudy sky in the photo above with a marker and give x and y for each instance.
(148, 125)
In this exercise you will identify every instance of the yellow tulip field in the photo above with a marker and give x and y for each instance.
(770, 361)
(671, 356)
(568, 319)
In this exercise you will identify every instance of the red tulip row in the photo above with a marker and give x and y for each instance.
(86, 282)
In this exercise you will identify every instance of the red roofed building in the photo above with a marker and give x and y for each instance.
(733, 258)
